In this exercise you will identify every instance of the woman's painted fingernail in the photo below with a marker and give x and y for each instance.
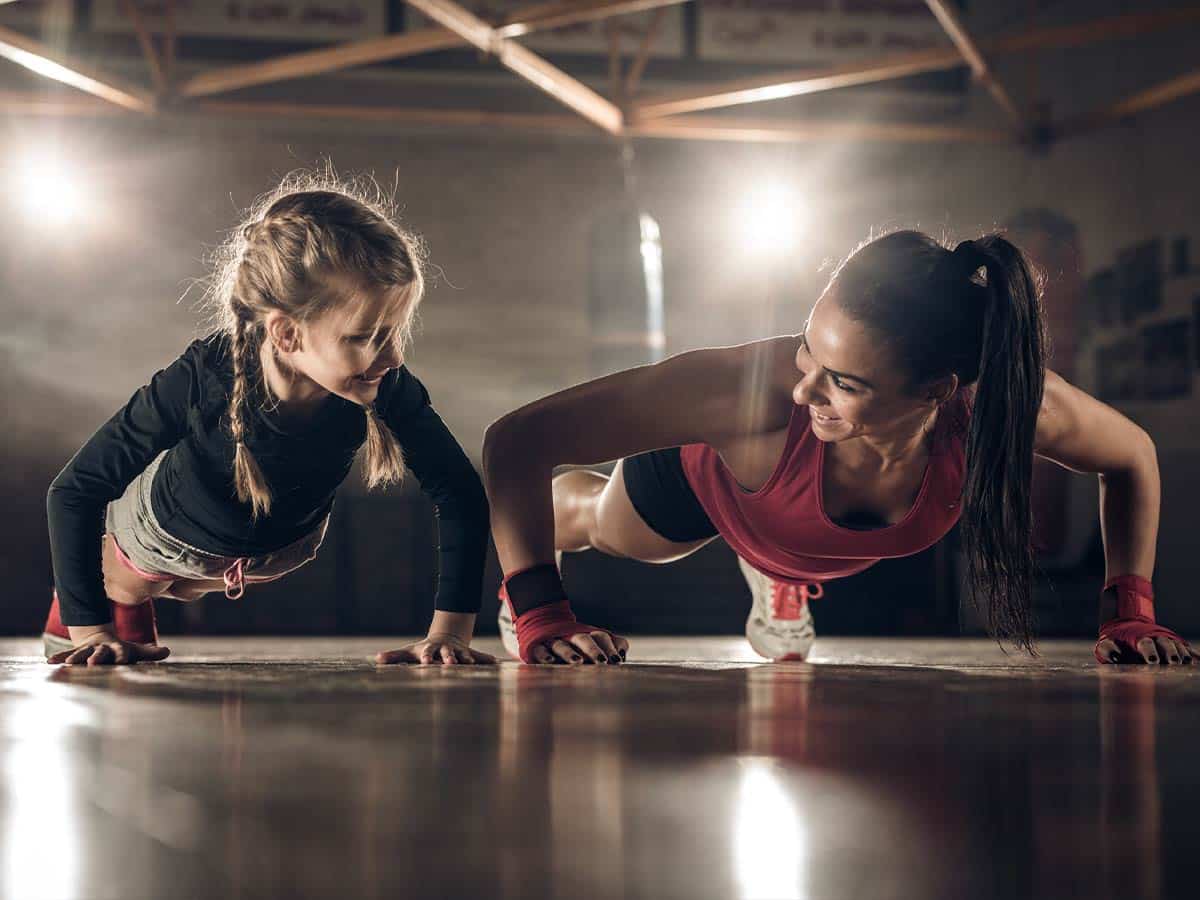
(1152, 659)
(614, 659)
(1114, 656)
(1175, 659)
(575, 657)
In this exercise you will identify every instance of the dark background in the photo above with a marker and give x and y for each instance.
(91, 308)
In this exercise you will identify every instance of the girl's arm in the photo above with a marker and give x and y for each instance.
(451, 482)
(154, 419)
(703, 396)
(1079, 432)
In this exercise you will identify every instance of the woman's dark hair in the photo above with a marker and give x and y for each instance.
(937, 316)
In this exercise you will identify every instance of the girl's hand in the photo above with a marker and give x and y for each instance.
(447, 649)
(103, 649)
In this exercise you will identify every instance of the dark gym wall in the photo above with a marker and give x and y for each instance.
(91, 310)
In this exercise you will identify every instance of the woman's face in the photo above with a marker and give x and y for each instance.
(849, 383)
(348, 350)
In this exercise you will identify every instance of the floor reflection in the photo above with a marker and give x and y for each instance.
(868, 774)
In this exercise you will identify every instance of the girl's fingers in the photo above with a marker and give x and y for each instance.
(447, 655)
(403, 655)
(79, 655)
(427, 655)
(60, 656)
(153, 652)
(100, 655)
(465, 656)
(566, 652)
(483, 659)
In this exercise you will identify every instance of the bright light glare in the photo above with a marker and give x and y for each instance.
(48, 190)
(768, 220)
(770, 843)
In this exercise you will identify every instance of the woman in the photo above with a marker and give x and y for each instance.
(917, 394)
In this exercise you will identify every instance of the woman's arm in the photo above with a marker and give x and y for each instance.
(703, 396)
(1079, 432)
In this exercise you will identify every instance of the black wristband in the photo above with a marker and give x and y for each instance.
(534, 587)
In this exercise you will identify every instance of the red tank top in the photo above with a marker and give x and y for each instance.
(782, 529)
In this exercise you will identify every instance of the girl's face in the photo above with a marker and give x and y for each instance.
(349, 349)
(848, 382)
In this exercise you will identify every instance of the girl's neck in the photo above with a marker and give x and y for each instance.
(296, 394)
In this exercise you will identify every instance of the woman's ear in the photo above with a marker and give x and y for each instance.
(943, 389)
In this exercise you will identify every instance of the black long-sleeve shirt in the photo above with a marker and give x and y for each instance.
(184, 410)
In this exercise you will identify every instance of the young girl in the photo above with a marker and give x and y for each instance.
(222, 470)
(916, 395)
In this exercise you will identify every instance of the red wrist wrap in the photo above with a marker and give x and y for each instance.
(545, 625)
(1135, 596)
(539, 607)
(1134, 619)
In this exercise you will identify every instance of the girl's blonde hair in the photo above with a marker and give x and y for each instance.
(285, 256)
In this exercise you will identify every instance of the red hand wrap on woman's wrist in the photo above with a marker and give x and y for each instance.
(540, 611)
(1134, 619)
(1135, 596)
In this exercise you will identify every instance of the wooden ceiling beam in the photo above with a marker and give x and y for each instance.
(1142, 101)
(45, 60)
(524, 62)
(522, 21)
(956, 30)
(807, 81)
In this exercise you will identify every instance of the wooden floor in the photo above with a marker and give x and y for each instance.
(251, 768)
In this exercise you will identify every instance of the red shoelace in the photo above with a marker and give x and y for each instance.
(788, 600)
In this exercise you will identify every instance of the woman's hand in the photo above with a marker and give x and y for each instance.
(1136, 640)
(103, 649)
(599, 647)
(446, 649)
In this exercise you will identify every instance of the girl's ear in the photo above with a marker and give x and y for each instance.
(283, 332)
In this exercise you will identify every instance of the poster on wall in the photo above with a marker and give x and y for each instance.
(326, 20)
(1166, 358)
(35, 15)
(1119, 371)
(590, 38)
(814, 31)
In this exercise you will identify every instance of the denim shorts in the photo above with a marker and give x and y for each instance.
(145, 547)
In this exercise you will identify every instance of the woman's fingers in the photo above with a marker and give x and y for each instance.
(588, 648)
(542, 655)
(1109, 650)
(1168, 652)
(566, 652)
(606, 645)
(446, 652)
(1149, 652)
(483, 659)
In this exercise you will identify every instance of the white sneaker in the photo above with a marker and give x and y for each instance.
(780, 625)
(508, 631)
